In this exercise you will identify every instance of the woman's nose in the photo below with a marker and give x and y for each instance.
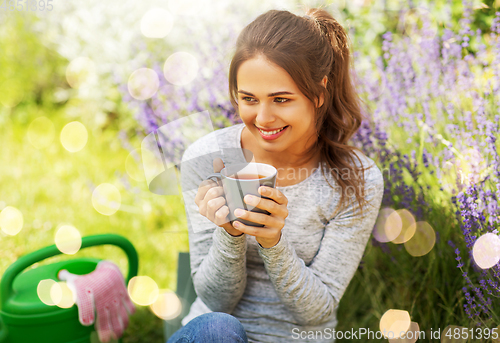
(265, 115)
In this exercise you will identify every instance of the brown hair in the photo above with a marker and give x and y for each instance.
(308, 48)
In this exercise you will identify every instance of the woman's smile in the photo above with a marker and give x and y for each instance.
(272, 134)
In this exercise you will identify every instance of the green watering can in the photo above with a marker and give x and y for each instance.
(24, 318)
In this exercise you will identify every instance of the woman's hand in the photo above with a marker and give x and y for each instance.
(269, 235)
(212, 203)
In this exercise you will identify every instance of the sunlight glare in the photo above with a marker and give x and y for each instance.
(61, 295)
(486, 250)
(407, 228)
(43, 291)
(134, 165)
(180, 68)
(11, 220)
(143, 290)
(80, 71)
(11, 92)
(41, 132)
(388, 225)
(156, 23)
(68, 239)
(395, 321)
(167, 306)
(143, 83)
(106, 199)
(423, 240)
(74, 136)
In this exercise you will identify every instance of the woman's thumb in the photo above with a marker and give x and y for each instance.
(218, 165)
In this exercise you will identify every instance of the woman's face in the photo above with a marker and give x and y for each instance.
(269, 99)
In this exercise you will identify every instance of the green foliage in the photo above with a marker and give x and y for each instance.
(29, 72)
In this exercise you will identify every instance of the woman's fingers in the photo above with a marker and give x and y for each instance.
(203, 188)
(260, 218)
(210, 194)
(274, 194)
(221, 215)
(213, 206)
(279, 210)
(218, 164)
(264, 232)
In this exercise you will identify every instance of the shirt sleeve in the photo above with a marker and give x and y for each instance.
(312, 293)
(218, 260)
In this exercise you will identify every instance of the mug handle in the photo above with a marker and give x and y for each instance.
(215, 177)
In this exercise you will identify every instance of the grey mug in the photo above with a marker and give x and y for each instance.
(235, 188)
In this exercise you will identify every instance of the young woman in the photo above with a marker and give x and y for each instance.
(290, 82)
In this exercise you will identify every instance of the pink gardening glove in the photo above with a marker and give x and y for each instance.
(102, 293)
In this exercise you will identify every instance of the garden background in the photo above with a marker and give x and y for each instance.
(82, 85)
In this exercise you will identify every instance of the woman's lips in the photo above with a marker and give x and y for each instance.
(274, 135)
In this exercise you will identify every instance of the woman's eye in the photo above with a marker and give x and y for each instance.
(281, 99)
(249, 99)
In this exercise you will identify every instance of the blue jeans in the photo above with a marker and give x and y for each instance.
(216, 327)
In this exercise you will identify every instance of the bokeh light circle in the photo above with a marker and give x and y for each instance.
(134, 165)
(106, 199)
(407, 228)
(388, 225)
(74, 136)
(11, 220)
(423, 239)
(180, 68)
(143, 83)
(143, 290)
(486, 250)
(395, 321)
(156, 23)
(167, 306)
(11, 92)
(61, 295)
(41, 132)
(79, 71)
(43, 291)
(68, 239)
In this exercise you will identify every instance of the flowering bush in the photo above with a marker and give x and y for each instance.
(443, 92)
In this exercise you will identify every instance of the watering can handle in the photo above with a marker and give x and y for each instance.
(24, 262)
(3, 331)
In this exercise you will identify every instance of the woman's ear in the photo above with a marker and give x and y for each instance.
(322, 96)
